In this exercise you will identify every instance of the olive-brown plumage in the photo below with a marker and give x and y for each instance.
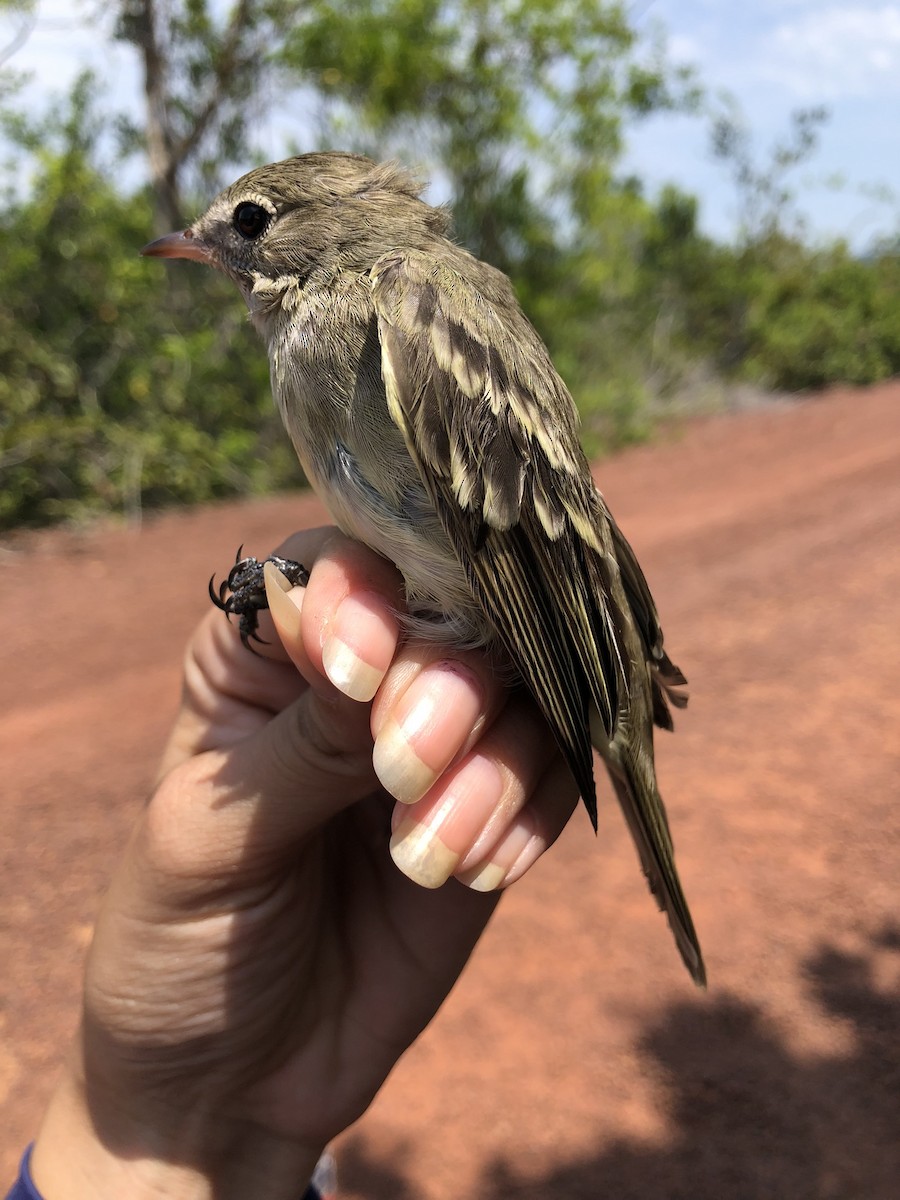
(426, 412)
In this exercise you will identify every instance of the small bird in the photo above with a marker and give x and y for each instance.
(427, 414)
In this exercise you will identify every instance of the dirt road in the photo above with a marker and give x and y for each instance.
(574, 1060)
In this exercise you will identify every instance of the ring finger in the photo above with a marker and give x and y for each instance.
(506, 800)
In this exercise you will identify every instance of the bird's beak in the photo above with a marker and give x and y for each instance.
(180, 245)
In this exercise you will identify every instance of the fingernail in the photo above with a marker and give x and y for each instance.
(280, 593)
(518, 848)
(421, 855)
(486, 878)
(427, 729)
(399, 769)
(360, 645)
(527, 857)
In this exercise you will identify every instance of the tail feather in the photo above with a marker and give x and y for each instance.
(636, 789)
(667, 686)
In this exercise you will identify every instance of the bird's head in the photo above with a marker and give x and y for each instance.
(317, 212)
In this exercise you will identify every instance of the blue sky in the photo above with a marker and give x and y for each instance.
(774, 56)
(771, 56)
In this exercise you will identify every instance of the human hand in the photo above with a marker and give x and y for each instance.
(260, 963)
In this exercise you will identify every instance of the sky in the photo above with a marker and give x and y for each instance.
(773, 57)
(770, 57)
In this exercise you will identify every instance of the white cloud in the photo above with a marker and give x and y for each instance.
(774, 56)
(65, 39)
(842, 50)
(684, 48)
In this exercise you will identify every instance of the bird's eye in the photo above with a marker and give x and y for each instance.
(250, 219)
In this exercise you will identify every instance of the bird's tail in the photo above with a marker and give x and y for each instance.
(634, 780)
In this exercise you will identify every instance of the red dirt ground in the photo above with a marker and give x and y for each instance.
(574, 1058)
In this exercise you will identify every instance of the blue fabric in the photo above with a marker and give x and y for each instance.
(23, 1188)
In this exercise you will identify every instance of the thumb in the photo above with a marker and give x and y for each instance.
(235, 816)
(264, 756)
(307, 764)
(238, 810)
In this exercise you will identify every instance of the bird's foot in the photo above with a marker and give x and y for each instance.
(247, 589)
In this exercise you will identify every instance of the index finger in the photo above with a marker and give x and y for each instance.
(342, 629)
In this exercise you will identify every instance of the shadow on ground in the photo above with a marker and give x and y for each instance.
(751, 1120)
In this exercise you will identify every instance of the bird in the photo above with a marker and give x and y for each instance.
(427, 414)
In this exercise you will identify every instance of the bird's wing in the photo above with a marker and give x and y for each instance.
(667, 681)
(493, 433)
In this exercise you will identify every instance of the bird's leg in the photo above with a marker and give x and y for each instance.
(247, 589)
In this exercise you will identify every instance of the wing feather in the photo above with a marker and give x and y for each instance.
(493, 433)
(493, 473)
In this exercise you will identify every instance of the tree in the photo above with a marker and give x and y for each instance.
(494, 94)
(22, 17)
(115, 392)
(203, 76)
(764, 194)
(517, 109)
(520, 105)
(520, 108)
(123, 386)
(119, 389)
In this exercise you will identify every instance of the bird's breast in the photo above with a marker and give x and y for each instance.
(331, 396)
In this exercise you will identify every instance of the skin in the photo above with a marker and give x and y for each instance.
(259, 963)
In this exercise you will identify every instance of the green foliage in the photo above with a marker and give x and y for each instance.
(531, 153)
(825, 317)
(518, 105)
(772, 309)
(124, 385)
(519, 108)
(118, 387)
(206, 67)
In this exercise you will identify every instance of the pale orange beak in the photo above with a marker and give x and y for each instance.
(180, 245)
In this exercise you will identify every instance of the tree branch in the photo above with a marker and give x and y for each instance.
(23, 33)
(143, 31)
(229, 63)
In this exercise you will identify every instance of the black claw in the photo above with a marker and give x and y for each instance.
(250, 635)
(216, 594)
(246, 584)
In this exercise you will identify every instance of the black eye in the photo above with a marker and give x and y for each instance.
(250, 219)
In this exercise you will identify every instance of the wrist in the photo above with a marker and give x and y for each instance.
(82, 1154)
